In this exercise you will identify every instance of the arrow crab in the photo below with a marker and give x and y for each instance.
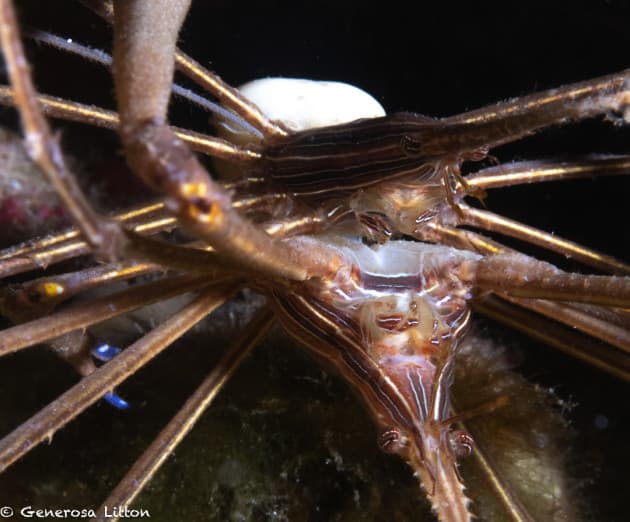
(332, 312)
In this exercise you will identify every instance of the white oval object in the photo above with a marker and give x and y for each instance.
(307, 104)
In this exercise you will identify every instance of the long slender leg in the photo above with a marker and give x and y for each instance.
(458, 238)
(226, 94)
(609, 328)
(201, 258)
(98, 310)
(41, 146)
(510, 501)
(102, 58)
(39, 296)
(148, 220)
(523, 172)
(553, 334)
(178, 427)
(42, 253)
(195, 258)
(540, 171)
(518, 275)
(58, 413)
(163, 161)
(608, 325)
(98, 117)
(495, 223)
(505, 122)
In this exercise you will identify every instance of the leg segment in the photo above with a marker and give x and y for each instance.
(98, 310)
(506, 122)
(605, 324)
(496, 223)
(163, 161)
(524, 172)
(553, 334)
(517, 275)
(44, 424)
(42, 147)
(181, 424)
(91, 115)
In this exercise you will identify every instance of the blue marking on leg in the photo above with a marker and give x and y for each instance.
(116, 401)
(105, 352)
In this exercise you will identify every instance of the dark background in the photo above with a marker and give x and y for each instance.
(437, 60)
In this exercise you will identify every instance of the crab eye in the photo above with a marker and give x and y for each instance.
(461, 443)
(391, 440)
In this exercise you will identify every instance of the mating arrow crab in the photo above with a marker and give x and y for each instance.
(370, 268)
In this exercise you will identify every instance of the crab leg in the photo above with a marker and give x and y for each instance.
(551, 333)
(91, 115)
(42, 147)
(39, 296)
(523, 172)
(102, 58)
(180, 425)
(225, 93)
(163, 161)
(98, 310)
(494, 223)
(508, 121)
(610, 328)
(149, 220)
(508, 499)
(58, 413)
(603, 324)
(518, 275)
(39, 254)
